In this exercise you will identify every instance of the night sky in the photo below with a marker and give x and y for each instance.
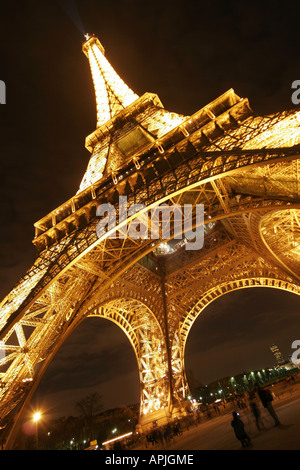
(188, 53)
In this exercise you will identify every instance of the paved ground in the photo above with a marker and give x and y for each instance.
(217, 433)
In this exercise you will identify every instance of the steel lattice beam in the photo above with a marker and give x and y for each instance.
(242, 167)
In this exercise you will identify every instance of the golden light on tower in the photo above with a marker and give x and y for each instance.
(112, 94)
(243, 167)
(115, 99)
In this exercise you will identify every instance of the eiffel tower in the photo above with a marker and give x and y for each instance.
(242, 167)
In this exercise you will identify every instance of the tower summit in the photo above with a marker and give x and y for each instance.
(127, 124)
(112, 94)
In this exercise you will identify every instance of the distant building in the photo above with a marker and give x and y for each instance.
(278, 356)
(227, 388)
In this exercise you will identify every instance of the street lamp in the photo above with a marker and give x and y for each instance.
(36, 418)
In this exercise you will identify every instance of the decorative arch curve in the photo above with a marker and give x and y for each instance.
(147, 339)
(187, 321)
(226, 287)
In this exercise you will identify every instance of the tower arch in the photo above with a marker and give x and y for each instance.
(257, 280)
(243, 167)
(147, 339)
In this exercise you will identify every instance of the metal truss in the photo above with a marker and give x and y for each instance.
(242, 167)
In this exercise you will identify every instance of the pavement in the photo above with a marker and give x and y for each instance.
(217, 433)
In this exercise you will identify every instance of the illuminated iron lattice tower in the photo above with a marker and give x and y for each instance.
(243, 167)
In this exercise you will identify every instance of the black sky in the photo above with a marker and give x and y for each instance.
(186, 52)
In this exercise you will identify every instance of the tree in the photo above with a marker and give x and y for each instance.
(89, 407)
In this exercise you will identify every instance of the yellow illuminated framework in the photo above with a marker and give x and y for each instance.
(244, 168)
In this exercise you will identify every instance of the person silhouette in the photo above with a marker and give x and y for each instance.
(239, 429)
(266, 398)
(255, 411)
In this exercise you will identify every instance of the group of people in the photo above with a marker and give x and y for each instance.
(164, 434)
(266, 398)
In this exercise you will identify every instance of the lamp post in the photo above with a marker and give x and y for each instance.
(36, 418)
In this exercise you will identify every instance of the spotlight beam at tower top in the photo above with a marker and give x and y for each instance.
(71, 10)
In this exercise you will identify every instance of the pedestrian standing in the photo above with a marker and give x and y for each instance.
(239, 430)
(255, 410)
(266, 398)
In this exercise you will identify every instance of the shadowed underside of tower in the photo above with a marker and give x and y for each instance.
(242, 167)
